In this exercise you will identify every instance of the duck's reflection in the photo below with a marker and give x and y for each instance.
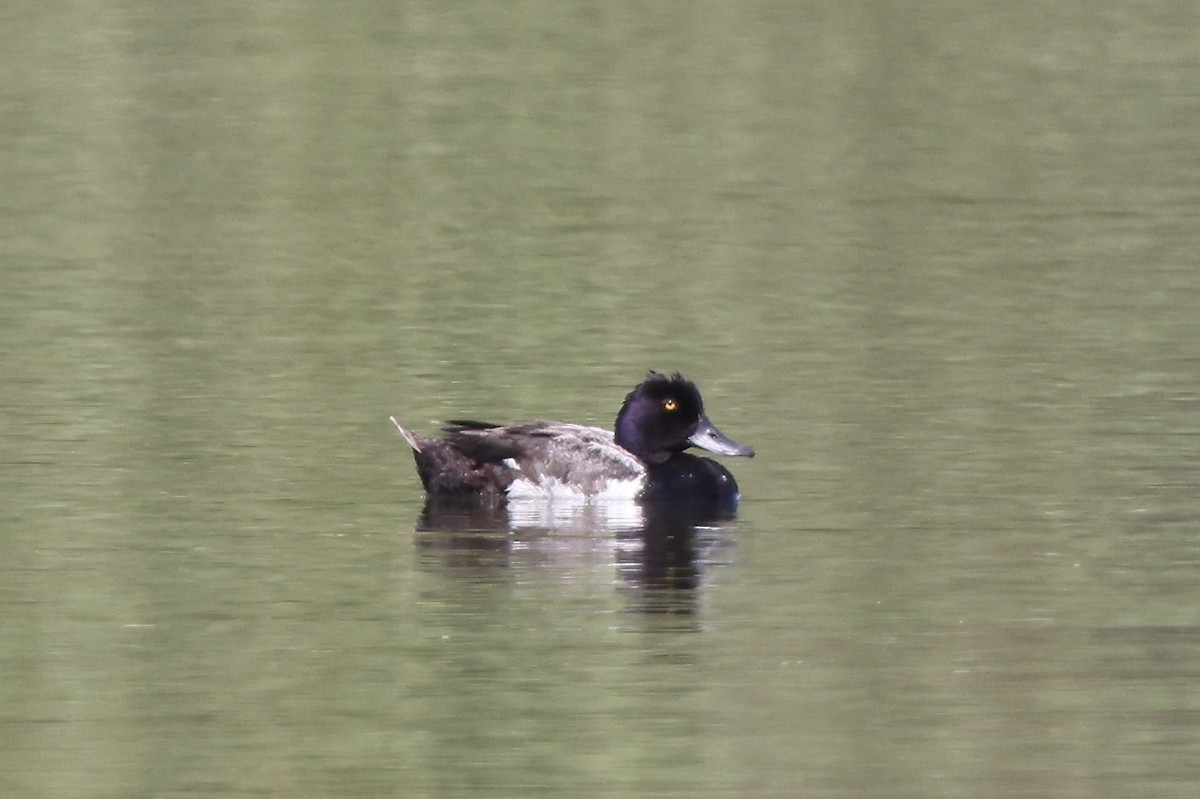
(662, 550)
(465, 532)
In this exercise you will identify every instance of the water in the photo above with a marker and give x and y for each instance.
(936, 265)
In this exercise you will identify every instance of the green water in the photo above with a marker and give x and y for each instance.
(935, 262)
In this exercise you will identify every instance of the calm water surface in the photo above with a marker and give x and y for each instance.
(937, 265)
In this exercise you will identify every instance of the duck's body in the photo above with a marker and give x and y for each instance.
(644, 458)
(533, 459)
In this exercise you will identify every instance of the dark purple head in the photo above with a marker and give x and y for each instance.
(665, 415)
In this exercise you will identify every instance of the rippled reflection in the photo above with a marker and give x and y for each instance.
(659, 551)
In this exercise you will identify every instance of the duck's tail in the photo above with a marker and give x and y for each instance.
(409, 436)
(446, 471)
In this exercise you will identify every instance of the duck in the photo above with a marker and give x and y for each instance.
(642, 458)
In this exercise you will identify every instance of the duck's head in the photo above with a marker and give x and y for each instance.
(665, 415)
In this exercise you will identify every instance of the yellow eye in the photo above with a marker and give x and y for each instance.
(670, 404)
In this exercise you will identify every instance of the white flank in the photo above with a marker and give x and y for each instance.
(551, 488)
